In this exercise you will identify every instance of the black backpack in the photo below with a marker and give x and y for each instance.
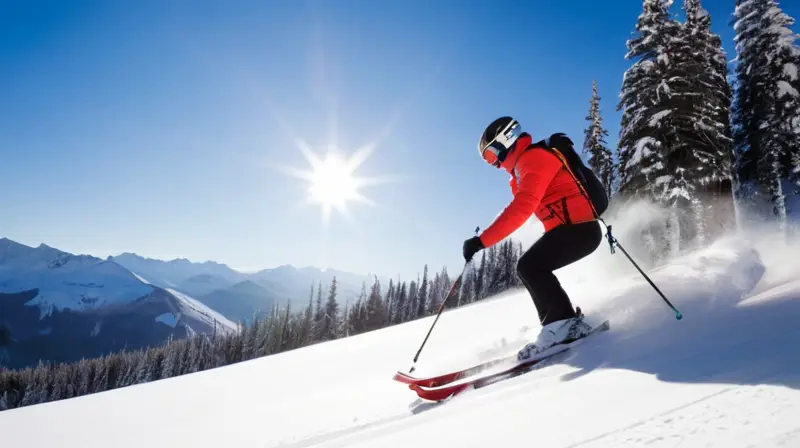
(591, 187)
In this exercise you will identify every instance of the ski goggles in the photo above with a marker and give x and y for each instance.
(491, 154)
(495, 151)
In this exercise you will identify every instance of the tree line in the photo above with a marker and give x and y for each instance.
(705, 142)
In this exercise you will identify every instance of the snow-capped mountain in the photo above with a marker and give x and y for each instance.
(60, 307)
(65, 281)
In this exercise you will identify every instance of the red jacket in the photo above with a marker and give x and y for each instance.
(541, 185)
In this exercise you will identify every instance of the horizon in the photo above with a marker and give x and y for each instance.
(104, 257)
(185, 133)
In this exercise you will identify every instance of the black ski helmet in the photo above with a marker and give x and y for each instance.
(497, 140)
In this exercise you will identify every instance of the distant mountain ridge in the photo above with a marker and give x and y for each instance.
(57, 306)
(280, 284)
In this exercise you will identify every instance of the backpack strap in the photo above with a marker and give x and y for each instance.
(545, 144)
(578, 177)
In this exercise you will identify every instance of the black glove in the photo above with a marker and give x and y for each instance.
(471, 247)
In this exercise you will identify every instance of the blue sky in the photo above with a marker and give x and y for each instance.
(154, 127)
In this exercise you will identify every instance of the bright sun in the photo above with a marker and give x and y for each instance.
(331, 179)
(332, 183)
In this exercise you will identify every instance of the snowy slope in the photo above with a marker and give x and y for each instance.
(192, 307)
(726, 375)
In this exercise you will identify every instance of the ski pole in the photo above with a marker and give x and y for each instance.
(613, 242)
(455, 286)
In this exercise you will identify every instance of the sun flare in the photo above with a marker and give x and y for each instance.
(332, 183)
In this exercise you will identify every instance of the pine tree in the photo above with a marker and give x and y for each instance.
(422, 294)
(445, 283)
(250, 338)
(436, 294)
(600, 158)
(468, 285)
(344, 323)
(413, 289)
(700, 151)
(286, 328)
(318, 316)
(493, 271)
(375, 308)
(308, 321)
(644, 133)
(331, 318)
(389, 302)
(766, 112)
(401, 303)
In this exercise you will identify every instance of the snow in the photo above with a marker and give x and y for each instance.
(65, 281)
(790, 71)
(199, 311)
(726, 375)
(168, 319)
(784, 88)
(655, 120)
(642, 149)
(140, 278)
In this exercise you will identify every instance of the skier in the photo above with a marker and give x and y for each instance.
(542, 185)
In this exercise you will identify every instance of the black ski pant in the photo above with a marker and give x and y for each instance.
(557, 248)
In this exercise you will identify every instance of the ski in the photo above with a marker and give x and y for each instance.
(449, 390)
(445, 378)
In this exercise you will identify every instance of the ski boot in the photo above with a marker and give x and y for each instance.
(558, 332)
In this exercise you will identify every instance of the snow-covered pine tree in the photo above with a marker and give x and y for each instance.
(600, 158)
(716, 213)
(249, 339)
(434, 294)
(766, 112)
(699, 152)
(375, 309)
(358, 313)
(492, 273)
(675, 145)
(308, 320)
(468, 285)
(205, 359)
(287, 327)
(389, 302)
(331, 319)
(422, 294)
(318, 316)
(413, 289)
(344, 323)
(400, 305)
(645, 130)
